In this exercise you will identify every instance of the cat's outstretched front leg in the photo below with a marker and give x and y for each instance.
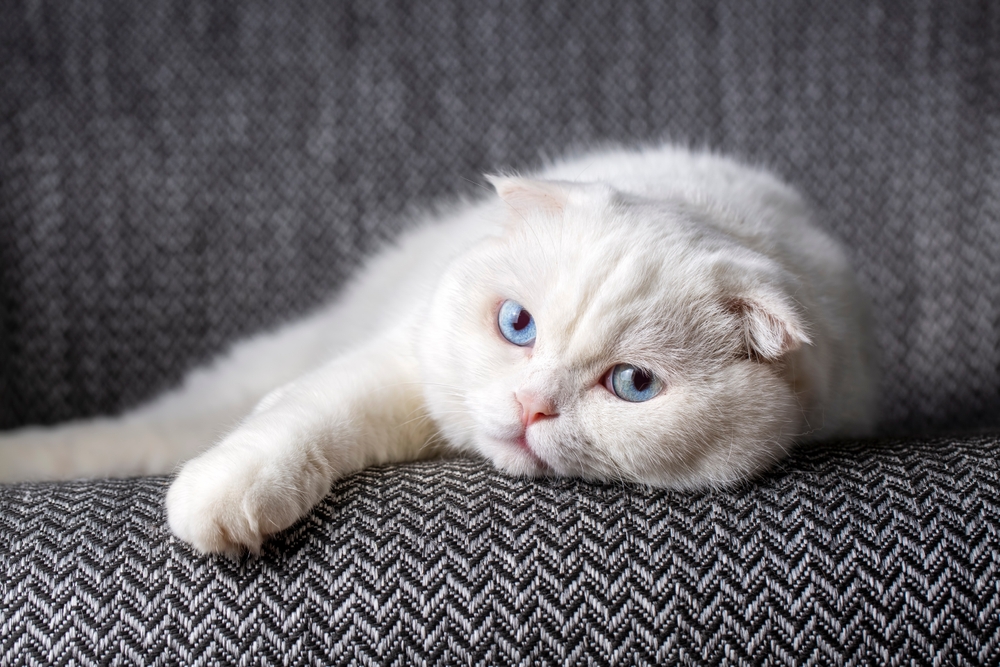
(360, 409)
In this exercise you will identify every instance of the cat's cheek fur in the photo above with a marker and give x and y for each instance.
(511, 459)
(723, 431)
(456, 363)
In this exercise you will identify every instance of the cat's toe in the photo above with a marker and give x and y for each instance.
(215, 511)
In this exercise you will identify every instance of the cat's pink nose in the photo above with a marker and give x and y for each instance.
(534, 407)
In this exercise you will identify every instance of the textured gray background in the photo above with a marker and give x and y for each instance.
(176, 174)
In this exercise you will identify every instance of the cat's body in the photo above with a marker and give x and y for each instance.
(660, 316)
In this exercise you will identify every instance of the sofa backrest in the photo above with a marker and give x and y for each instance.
(176, 174)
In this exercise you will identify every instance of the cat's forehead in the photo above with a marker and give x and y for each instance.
(620, 255)
(615, 282)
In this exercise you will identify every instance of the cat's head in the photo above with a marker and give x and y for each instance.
(609, 337)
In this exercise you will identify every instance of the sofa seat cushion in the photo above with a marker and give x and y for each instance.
(882, 550)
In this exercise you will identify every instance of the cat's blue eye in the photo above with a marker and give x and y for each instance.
(516, 324)
(633, 384)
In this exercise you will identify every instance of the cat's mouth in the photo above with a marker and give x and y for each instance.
(522, 443)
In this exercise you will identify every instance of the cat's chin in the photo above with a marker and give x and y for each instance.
(515, 457)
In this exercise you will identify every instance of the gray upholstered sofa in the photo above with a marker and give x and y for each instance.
(176, 174)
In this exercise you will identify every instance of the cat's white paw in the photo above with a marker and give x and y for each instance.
(231, 498)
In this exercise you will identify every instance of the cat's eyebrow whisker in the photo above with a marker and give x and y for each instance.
(477, 184)
(524, 219)
(514, 208)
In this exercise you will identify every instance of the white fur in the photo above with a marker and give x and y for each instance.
(706, 272)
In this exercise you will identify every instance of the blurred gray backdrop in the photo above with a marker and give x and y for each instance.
(173, 177)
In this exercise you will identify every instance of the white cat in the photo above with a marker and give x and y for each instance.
(661, 316)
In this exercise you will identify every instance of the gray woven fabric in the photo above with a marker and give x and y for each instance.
(175, 174)
(872, 553)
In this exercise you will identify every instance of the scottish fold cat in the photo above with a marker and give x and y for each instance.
(661, 316)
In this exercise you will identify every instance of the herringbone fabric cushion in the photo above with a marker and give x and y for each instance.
(870, 553)
(175, 174)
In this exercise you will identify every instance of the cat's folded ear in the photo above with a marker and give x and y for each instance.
(524, 193)
(529, 194)
(768, 325)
